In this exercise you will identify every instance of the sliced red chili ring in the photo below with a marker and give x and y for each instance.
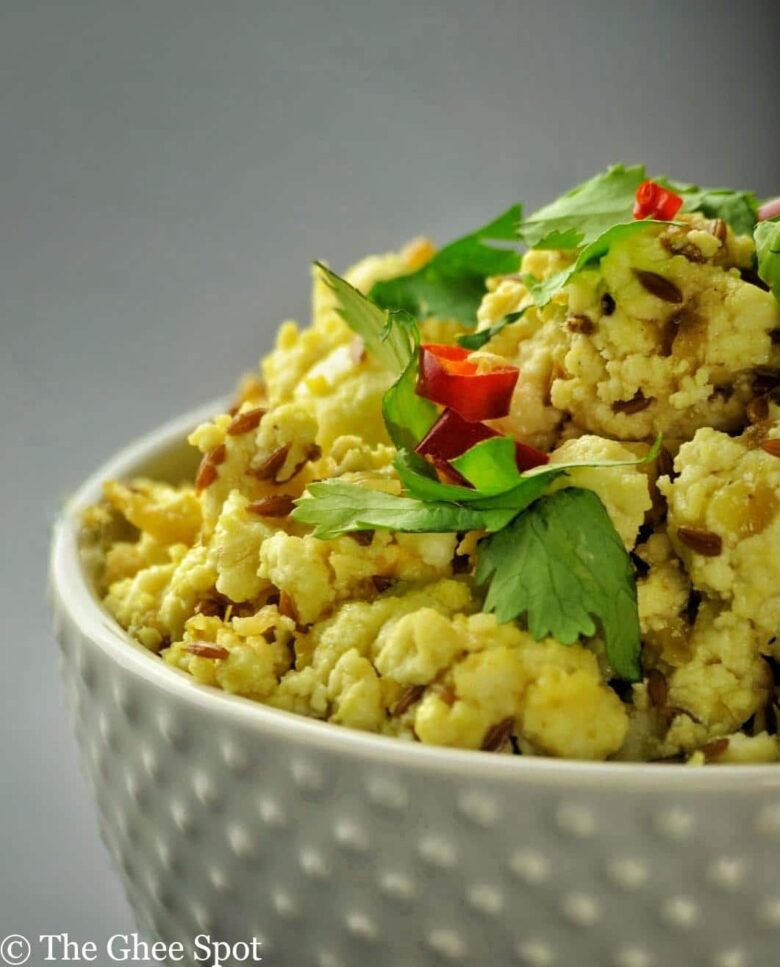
(655, 201)
(448, 377)
(451, 435)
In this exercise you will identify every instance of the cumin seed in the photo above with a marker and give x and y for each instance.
(636, 404)
(706, 543)
(657, 688)
(246, 422)
(276, 505)
(715, 748)
(607, 304)
(659, 286)
(287, 607)
(206, 649)
(772, 447)
(269, 468)
(497, 735)
(580, 324)
(758, 409)
(409, 696)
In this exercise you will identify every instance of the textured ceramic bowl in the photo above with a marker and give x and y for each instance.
(338, 848)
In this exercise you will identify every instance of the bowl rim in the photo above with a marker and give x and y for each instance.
(71, 592)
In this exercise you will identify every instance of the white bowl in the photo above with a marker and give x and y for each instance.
(334, 847)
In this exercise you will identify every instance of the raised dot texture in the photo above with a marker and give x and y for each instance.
(326, 958)
(768, 914)
(306, 775)
(674, 824)
(362, 926)
(284, 904)
(206, 790)
(633, 957)
(242, 842)
(627, 872)
(768, 821)
(730, 958)
(679, 911)
(313, 864)
(726, 872)
(234, 757)
(536, 953)
(219, 879)
(581, 909)
(350, 836)
(485, 898)
(530, 865)
(387, 793)
(437, 851)
(397, 885)
(479, 808)
(576, 820)
(446, 943)
(271, 813)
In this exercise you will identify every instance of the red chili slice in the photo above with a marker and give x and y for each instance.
(655, 201)
(451, 435)
(448, 377)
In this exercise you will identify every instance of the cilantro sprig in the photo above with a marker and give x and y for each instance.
(563, 565)
(452, 284)
(767, 238)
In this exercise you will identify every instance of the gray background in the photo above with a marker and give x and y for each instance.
(167, 172)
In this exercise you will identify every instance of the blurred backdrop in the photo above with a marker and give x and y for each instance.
(168, 170)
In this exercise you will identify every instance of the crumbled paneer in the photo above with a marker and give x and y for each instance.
(384, 631)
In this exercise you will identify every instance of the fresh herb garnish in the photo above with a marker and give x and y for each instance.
(476, 340)
(452, 284)
(394, 339)
(336, 508)
(563, 565)
(738, 208)
(767, 238)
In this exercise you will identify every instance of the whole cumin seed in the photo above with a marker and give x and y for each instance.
(607, 304)
(718, 228)
(657, 688)
(246, 422)
(757, 409)
(364, 538)
(497, 735)
(706, 543)
(772, 447)
(659, 286)
(269, 468)
(580, 324)
(692, 253)
(409, 696)
(276, 505)
(636, 404)
(287, 607)
(715, 748)
(664, 463)
(206, 649)
(207, 471)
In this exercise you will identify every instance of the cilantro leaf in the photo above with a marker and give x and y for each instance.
(490, 467)
(452, 284)
(586, 211)
(476, 340)
(738, 208)
(590, 254)
(408, 417)
(563, 565)
(336, 508)
(767, 237)
(391, 337)
(394, 339)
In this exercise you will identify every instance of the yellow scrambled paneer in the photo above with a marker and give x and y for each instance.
(384, 631)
